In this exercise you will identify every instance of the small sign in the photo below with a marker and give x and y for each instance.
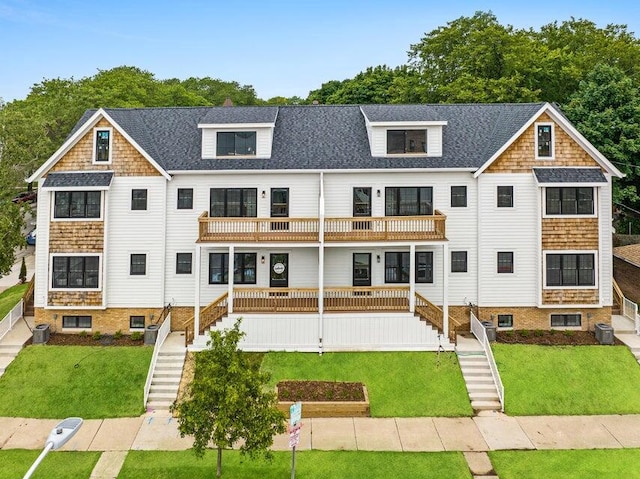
(294, 437)
(278, 268)
(295, 414)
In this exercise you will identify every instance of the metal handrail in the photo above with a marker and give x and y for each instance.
(480, 333)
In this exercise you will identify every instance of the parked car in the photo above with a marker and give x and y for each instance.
(31, 237)
(26, 197)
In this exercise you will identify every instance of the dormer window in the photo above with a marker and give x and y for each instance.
(102, 145)
(544, 141)
(401, 142)
(236, 143)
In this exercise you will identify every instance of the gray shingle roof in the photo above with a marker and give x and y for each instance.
(75, 179)
(322, 137)
(569, 175)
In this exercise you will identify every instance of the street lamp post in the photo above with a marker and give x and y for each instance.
(58, 437)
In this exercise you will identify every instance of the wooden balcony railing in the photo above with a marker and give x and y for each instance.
(388, 228)
(257, 229)
(432, 313)
(208, 315)
(367, 298)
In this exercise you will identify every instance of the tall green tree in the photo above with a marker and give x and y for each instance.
(227, 401)
(215, 91)
(11, 237)
(606, 110)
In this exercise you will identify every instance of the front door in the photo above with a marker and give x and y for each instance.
(279, 270)
(362, 269)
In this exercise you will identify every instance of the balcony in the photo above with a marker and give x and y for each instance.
(361, 229)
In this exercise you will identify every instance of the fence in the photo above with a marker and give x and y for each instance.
(11, 318)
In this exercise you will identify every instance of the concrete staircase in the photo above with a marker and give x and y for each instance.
(8, 352)
(165, 381)
(477, 376)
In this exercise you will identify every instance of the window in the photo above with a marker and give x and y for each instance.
(236, 143)
(136, 322)
(362, 202)
(505, 320)
(458, 196)
(505, 196)
(409, 201)
(571, 269)
(505, 262)
(560, 320)
(183, 263)
(138, 265)
(75, 271)
(244, 271)
(458, 261)
(234, 202)
(138, 199)
(569, 201)
(103, 146)
(185, 198)
(76, 322)
(77, 204)
(361, 269)
(544, 141)
(406, 141)
(396, 267)
(280, 202)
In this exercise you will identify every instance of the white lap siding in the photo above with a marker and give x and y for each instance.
(135, 232)
(514, 230)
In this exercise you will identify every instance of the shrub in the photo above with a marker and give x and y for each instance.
(136, 336)
(82, 334)
(568, 333)
(97, 335)
(509, 333)
(23, 272)
(118, 334)
(525, 333)
(538, 333)
(553, 331)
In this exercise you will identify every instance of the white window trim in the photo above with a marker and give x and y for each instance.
(183, 275)
(52, 213)
(513, 199)
(513, 256)
(99, 288)
(406, 127)
(553, 140)
(95, 139)
(234, 130)
(146, 210)
(146, 265)
(175, 203)
(571, 185)
(596, 270)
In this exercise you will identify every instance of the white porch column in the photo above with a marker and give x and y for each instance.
(196, 309)
(412, 278)
(230, 279)
(321, 264)
(445, 289)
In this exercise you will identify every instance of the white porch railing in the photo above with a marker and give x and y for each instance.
(163, 332)
(11, 318)
(480, 333)
(630, 310)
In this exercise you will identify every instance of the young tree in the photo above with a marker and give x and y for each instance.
(23, 272)
(227, 401)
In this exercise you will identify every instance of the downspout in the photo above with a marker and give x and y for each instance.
(321, 264)
(445, 290)
(196, 308)
(230, 278)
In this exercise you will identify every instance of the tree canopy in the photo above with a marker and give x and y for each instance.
(227, 401)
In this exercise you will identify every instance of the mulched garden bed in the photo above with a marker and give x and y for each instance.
(57, 339)
(320, 391)
(550, 338)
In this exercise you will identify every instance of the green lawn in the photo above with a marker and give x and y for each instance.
(14, 463)
(10, 297)
(62, 381)
(309, 465)
(406, 384)
(568, 380)
(582, 464)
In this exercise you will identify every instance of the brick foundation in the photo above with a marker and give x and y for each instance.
(540, 318)
(106, 321)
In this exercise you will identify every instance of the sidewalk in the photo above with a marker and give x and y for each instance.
(13, 277)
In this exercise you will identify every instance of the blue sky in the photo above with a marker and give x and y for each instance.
(280, 47)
